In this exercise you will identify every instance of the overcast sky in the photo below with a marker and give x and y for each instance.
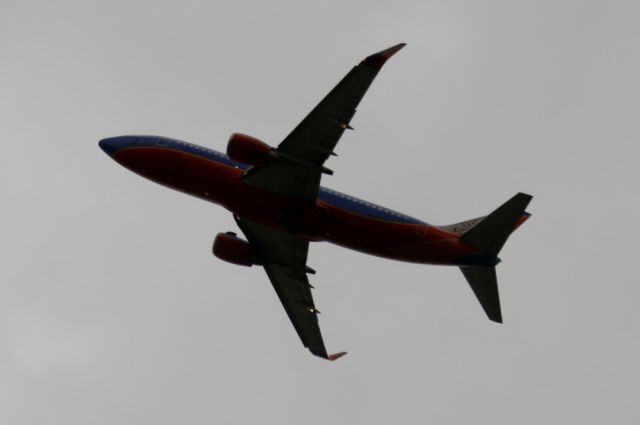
(114, 311)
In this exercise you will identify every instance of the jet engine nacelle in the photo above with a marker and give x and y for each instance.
(232, 249)
(248, 150)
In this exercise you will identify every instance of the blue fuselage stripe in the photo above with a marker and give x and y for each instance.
(359, 206)
(332, 197)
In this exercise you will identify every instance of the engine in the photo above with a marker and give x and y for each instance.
(248, 150)
(232, 249)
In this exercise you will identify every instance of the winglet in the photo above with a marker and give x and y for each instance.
(378, 59)
(334, 357)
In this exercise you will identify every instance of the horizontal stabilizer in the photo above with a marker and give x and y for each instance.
(482, 280)
(490, 234)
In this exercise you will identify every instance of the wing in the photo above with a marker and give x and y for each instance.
(284, 257)
(298, 162)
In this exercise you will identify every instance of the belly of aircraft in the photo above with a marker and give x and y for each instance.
(320, 221)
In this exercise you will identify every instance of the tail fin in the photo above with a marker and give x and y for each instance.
(488, 236)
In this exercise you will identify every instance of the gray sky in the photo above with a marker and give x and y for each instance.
(113, 310)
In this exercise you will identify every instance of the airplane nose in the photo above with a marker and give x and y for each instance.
(110, 145)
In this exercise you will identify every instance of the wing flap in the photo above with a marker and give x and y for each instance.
(295, 296)
(284, 258)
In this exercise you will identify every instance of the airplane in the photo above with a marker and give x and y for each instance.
(276, 200)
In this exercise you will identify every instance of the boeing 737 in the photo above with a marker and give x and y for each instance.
(276, 200)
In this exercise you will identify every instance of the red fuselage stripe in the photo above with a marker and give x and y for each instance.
(216, 181)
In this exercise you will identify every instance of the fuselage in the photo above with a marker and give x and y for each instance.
(334, 217)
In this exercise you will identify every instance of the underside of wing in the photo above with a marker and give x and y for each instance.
(298, 162)
(284, 257)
